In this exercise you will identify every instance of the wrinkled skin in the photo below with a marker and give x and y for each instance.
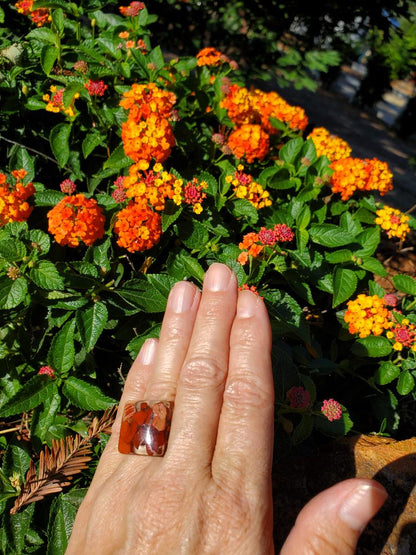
(211, 492)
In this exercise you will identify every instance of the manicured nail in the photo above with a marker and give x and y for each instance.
(217, 277)
(246, 304)
(361, 505)
(181, 297)
(148, 352)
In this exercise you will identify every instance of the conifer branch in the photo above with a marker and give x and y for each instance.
(59, 464)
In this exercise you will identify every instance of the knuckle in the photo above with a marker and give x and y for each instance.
(246, 391)
(201, 372)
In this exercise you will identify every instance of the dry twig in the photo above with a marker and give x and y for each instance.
(59, 464)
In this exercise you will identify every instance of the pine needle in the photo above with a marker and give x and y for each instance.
(59, 464)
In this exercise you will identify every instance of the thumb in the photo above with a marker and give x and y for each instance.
(332, 522)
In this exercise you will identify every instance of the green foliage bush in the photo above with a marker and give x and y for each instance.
(81, 313)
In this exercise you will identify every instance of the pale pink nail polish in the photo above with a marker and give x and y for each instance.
(217, 277)
(246, 304)
(181, 297)
(361, 505)
(148, 352)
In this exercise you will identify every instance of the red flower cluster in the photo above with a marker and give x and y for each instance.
(133, 9)
(96, 88)
(40, 17)
(253, 243)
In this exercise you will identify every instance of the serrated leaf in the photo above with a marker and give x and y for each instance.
(183, 266)
(32, 394)
(374, 266)
(16, 527)
(118, 159)
(42, 35)
(91, 141)
(387, 372)
(369, 239)
(12, 292)
(303, 430)
(48, 57)
(44, 417)
(90, 323)
(291, 149)
(16, 459)
(61, 519)
(338, 257)
(86, 396)
(330, 235)
(170, 215)
(193, 234)
(59, 141)
(12, 250)
(46, 276)
(22, 159)
(405, 283)
(61, 353)
(372, 346)
(344, 284)
(48, 198)
(242, 208)
(148, 294)
(405, 383)
(40, 240)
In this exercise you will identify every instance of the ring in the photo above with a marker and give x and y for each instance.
(145, 428)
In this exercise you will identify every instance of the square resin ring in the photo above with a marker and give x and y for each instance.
(145, 428)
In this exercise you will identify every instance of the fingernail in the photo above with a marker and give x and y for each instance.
(181, 297)
(217, 277)
(361, 505)
(148, 351)
(246, 304)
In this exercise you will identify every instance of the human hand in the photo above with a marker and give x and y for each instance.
(211, 492)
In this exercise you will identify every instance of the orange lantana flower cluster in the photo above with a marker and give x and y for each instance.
(147, 133)
(55, 102)
(356, 174)
(253, 244)
(332, 146)
(245, 187)
(251, 111)
(152, 187)
(40, 17)
(256, 106)
(393, 221)
(13, 198)
(76, 219)
(367, 315)
(211, 57)
(138, 227)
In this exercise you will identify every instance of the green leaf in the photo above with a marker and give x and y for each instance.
(338, 257)
(345, 283)
(291, 149)
(117, 160)
(32, 394)
(42, 35)
(90, 323)
(48, 57)
(16, 459)
(374, 266)
(303, 430)
(91, 141)
(405, 283)
(59, 141)
(58, 19)
(61, 519)
(336, 428)
(46, 276)
(405, 383)
(40, 240)
(12, 292)
(61, 355)
(193, 234)
(48, 198)
(183, 266)
(372, 346)
(12, 250)
(303, 219)
(22, 159)
(170, 215)
(43, 417)
(148, 294)
(369, 239)
(387, 372)
(16, 527)
(242, 208)
(85, 396)
(156, 57)
(6, 489)
(330, 235)
(284, 308)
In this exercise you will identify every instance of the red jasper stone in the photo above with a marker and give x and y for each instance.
(145, 428)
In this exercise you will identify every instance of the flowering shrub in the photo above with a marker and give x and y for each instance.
(127, 172)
